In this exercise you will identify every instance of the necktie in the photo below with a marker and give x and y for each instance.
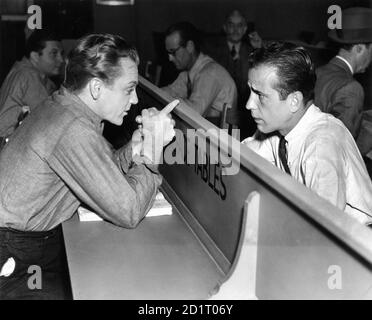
(233, 52)
(283, 154)
(189, 86)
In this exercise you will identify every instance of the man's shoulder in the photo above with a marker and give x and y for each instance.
(24, 77)
(52, 122)
(331, 77)
(334, 68)
(212, 67)
(57, 114)
(24, 69)
(17, 76)
(326, 130)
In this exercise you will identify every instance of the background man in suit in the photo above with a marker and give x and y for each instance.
(233, 52)
(336, 90)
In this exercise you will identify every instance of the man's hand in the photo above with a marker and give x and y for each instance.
(157, 130)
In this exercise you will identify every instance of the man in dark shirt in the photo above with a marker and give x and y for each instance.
(58, 158)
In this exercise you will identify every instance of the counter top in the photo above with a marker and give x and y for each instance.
(160, 259)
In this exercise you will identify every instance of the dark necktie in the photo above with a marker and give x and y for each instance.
(189, 86)
(283, 154)
(233, 52)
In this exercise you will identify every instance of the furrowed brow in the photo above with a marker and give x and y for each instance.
(257, 92)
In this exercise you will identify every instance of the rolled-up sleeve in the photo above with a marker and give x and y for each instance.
(110, 183)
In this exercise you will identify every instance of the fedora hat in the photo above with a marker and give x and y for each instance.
(356, 26)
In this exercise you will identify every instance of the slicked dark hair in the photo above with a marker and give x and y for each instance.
(37, 40)
(97, 55)
(187, 31)
(294, 68)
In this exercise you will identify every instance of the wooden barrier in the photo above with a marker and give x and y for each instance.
(243, 230)
(306, 247)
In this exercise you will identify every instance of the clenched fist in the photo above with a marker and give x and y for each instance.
(156, 131)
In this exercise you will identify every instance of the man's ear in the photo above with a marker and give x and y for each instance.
(190, 46)
(34, 57)
(295, 100)
(95, 88)
(359, 48)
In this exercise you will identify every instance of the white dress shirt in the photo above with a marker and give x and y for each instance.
(322, 155)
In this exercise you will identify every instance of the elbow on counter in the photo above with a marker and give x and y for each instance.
(132, 208)
(130, 216)
(132, 222)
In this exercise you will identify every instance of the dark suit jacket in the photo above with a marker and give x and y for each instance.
(238, 69)
(338, 93)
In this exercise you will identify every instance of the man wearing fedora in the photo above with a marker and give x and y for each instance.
(336, 90)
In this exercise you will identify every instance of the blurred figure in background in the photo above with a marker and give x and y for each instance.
(336, 90)
(232, 52)
(28, 82)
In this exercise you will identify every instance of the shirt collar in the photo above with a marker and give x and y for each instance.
(301, 126)
(67, 98)
(236, 45)
(347, 63)
(200, 62)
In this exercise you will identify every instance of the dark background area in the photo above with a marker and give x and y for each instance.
(303, 21)
(142, 22)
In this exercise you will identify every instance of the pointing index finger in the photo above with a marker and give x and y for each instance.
(169, 108)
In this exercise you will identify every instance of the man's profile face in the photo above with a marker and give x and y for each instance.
(177, 54)
(50, 59)
(268, 110)
(116, 99)
(235, 28)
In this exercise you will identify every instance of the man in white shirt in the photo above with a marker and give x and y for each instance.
(204, 84)
(313, 147)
